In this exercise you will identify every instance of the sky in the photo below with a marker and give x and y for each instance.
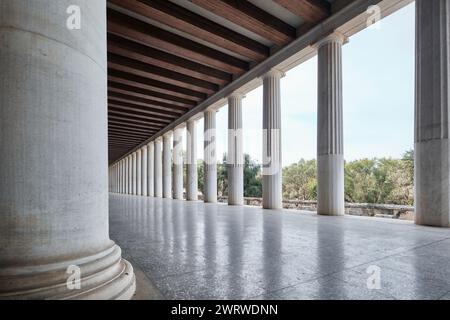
(378, 99)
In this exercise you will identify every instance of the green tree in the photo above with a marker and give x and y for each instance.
(299, 180)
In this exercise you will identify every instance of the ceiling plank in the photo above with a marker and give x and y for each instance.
(135, 116)
(312, 11)
(142, 69)
(179, 18)
(145, 83)
(161, 106)
(166, 60)
(251, 17)
(139, 31)
(162, 114)
(126, 123)
(150, 95)
(123, 128)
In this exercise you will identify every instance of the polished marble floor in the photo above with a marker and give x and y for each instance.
(192, 250)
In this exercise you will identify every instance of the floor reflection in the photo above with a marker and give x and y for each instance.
(192, 250)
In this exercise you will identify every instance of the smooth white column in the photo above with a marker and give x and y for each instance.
(235, 156)
(130, 174)
(209, 152)
(330, 149)
(151, 169)
(139, 172)
(134, 173)
(432, 149)
(158, 168)
(191, 161)
(53, 155)
(144, 178)
(178, 163)
(272, 166)
(124, 178)
(167, 165)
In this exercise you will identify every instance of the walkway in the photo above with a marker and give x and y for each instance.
(192, 250)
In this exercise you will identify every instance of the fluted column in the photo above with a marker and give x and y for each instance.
(432, 149)
(130, 174)
(167, 165)
(158, 168)
(139, 172)
(134, 173)
(178, 163)
(126, 176)
(272, 166)
(235, 156)
(209, 152)
(53, 155)
(191, 161)
(144, 173)
(330, 151)
(151, 169)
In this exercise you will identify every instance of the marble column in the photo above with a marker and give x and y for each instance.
(134, 174)
(54, 161)
(272, 166)
(144, 176)
(178, 163)
(432, 149)
(330, 150)
(151, 169)
(235, 156)
(124, 178)
(167, 165)
(139, 172)
(209, 152)
(191, 161)
(130, 174)
(158, 168)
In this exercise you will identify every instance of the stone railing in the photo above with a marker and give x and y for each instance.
(356, 209)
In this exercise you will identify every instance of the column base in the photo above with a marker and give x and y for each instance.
(330, 185)
(104, 276)
(432, 183)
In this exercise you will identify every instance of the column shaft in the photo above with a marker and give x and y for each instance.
(167, 166)
(235, 157)
(134, 173)
(158, 168)
(330, 151)
(191, 161)
(210, 161)
(272, 166)
(432, 149)
(130, 174)
(178, 163)
(151, 169)
(139, 172)
(54, 161)
(144, 169)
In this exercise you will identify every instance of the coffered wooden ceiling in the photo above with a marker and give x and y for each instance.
(167, 56)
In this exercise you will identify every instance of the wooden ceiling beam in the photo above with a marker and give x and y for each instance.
(145, 83)
(141, 117)
(161, 114)
(179, 18)
(150, 95)
(312, 11)
(122, 128)
(130, 124)
(160, 106)
(251, 17)
(137, 51)
(125, 26)
(142, 69)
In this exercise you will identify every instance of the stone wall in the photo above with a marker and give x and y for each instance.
(356, 209)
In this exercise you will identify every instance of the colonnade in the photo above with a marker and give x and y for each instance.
(163, 160)
(432, 148)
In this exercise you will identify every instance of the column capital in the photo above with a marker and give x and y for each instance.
(236, 95)
(168, 134)
(151, 143)
(274, 72)
(335, 37)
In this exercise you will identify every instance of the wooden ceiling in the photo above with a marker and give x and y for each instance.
(167, 56)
